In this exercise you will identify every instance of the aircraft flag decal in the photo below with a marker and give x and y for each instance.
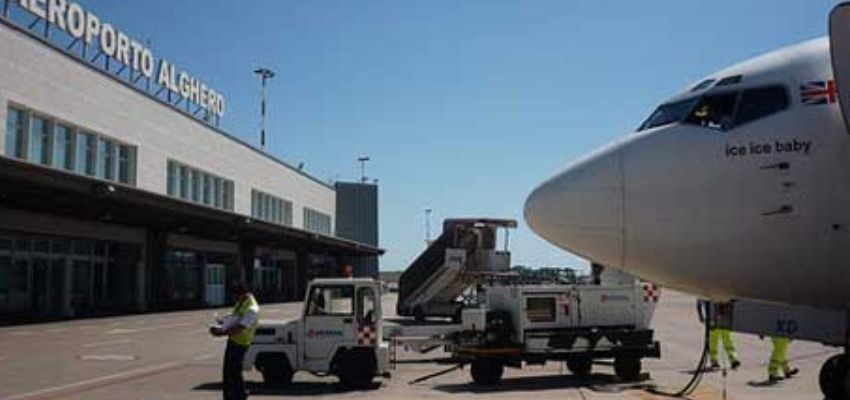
(818, 92)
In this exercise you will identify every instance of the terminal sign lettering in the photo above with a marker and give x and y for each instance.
(85, 26)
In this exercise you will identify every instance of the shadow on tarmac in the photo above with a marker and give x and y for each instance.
(294, 389)
(596, 382)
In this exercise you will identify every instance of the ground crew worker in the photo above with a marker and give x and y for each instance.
(779, 360)
(239, 326)
(705, 309)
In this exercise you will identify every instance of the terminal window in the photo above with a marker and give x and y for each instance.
(316, 221)
(40, 139)
(270, 208)
(197, 186)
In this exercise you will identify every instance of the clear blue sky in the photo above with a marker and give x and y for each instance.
(463, 106)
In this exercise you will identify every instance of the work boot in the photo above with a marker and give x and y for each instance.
(714, 365)
(791, 372)
(774, 379)
(735, 364)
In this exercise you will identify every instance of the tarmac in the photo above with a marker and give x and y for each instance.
(171, 356)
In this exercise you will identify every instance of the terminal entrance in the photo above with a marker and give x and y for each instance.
(58, 277)
(214, 277)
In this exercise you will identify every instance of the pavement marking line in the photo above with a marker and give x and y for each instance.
(108, 357)
(58, 330)
(102, 381)
(20, 333)
(150, 328)
(205, 356)
(107, 343)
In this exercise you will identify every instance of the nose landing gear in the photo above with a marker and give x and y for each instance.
(834, 377)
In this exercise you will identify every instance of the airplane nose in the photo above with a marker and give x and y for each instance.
(581, 209)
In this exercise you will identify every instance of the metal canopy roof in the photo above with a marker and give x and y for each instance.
(42, 189)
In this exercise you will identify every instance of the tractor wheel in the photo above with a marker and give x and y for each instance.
(580, 366)
(627, 368)
(487, 372)
(276, 370)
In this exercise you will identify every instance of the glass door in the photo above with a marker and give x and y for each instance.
(214, 284)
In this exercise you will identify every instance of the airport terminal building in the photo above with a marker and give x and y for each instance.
(119, 193)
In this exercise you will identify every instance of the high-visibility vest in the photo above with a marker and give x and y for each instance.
(246, 336)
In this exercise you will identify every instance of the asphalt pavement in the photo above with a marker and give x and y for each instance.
(171, 356)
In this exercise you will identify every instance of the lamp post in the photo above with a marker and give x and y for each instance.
(265, 74)
(363, 161)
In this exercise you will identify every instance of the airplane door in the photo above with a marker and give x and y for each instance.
(328, 321)
(839, 43)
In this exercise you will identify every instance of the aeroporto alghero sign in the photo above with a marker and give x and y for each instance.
(84, 26)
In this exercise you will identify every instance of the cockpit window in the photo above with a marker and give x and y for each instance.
(722, 111)
(760, 102)
(702, 85)
(730, 80)
(669, 113)
(716, 111)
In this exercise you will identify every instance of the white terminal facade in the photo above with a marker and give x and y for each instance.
(118, 193)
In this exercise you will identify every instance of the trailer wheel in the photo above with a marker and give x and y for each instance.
(356, 369)
(580, 366)
(834, 377)
(487, 372)
(627, 368)
(275, 369)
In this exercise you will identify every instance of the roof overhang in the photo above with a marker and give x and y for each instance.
(43, 189)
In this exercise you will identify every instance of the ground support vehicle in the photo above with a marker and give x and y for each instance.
(339, 333)
(533, 324)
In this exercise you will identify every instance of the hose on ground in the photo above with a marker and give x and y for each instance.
(692, 385)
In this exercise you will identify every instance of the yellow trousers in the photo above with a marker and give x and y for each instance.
(779, 356)
(714, 337)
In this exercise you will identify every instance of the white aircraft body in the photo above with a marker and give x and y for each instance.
(736, 188)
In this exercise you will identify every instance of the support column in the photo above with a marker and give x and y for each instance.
(67, 289)
(302, 269)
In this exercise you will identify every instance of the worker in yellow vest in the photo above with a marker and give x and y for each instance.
(778, 367)
(710, 310)
(239, 327)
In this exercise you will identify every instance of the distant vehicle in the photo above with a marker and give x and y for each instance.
(392, 287)
(736, 188)
(339, 334)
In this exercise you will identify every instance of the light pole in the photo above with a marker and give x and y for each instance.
(363, 161)
(265, 74)
(428, 226)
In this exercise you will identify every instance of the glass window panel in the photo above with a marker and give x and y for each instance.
(184, 182)
(331, 301)
(196, 186)
(60, 246)
(172, 178)
(39, 142)
(86, 153)
(217, 193)
(82, 247)
(5, 270)
(5, 244)
(126, 164)
(82, 280)
(228, 194)
(63, 147)
(208, 189)
(19, 276)
(23, 244)
(41, 246)
(15, 128)
(106, 159)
